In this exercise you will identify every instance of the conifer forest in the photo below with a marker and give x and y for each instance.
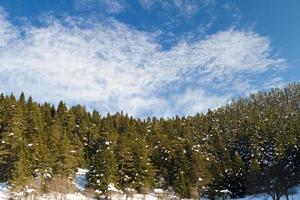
(249, 146)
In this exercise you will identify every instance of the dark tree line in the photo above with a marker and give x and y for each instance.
(251, 140)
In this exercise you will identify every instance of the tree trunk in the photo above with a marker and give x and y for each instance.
(277, 197)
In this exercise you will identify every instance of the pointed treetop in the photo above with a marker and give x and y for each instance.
(22, 97)
(30, 101)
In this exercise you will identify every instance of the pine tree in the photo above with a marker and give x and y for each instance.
(182, 186)
(21, 173)
(36, 136)
(80, 134)
(64, 161)
(198, 174)
(104, 168)
(13, 137)
(125, 162)
(143, 171)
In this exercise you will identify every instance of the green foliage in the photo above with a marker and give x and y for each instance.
(103, 170)
(197, 154)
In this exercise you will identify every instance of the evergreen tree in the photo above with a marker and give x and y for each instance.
(143, 172)
(64, 161)
(103, 170)
(125, 163)
(21, 173)
(13, 138)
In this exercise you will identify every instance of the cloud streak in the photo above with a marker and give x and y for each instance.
(111, 66)
(105, 6)
(185, 7)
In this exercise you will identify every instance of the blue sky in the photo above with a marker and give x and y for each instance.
(147, 57)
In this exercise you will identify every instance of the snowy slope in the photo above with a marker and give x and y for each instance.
(4, 190)
(262, 197)
(119, 195)
(80, 183)
(294, 197)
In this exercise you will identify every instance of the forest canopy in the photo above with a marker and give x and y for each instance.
(227, 148)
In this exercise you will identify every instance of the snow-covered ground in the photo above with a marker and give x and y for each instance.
(73, 196)
(117, 194)
(265, 197)
(294, 197)
(4, 190)
(80, 183)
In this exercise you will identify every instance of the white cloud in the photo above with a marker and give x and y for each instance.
(193, 100)
(114, 67)
(186, 7)
(107, 6)
(7, 32)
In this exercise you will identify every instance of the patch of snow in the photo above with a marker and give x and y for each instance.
(71, 196)
(81, 178)
(129, 190)
(118, 196)
(266, 197)
(98, 191)
(225, 191)
(4, 191)
(30, 190)
(158, 190)
(112, 188)
(76, 196)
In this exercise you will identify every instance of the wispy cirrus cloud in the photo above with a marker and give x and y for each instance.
(7, 31)
(111, 66)
(105, 6)
(186, 7)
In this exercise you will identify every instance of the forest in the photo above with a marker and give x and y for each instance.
(248, 146)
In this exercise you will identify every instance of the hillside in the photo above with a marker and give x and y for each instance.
(252, 140)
